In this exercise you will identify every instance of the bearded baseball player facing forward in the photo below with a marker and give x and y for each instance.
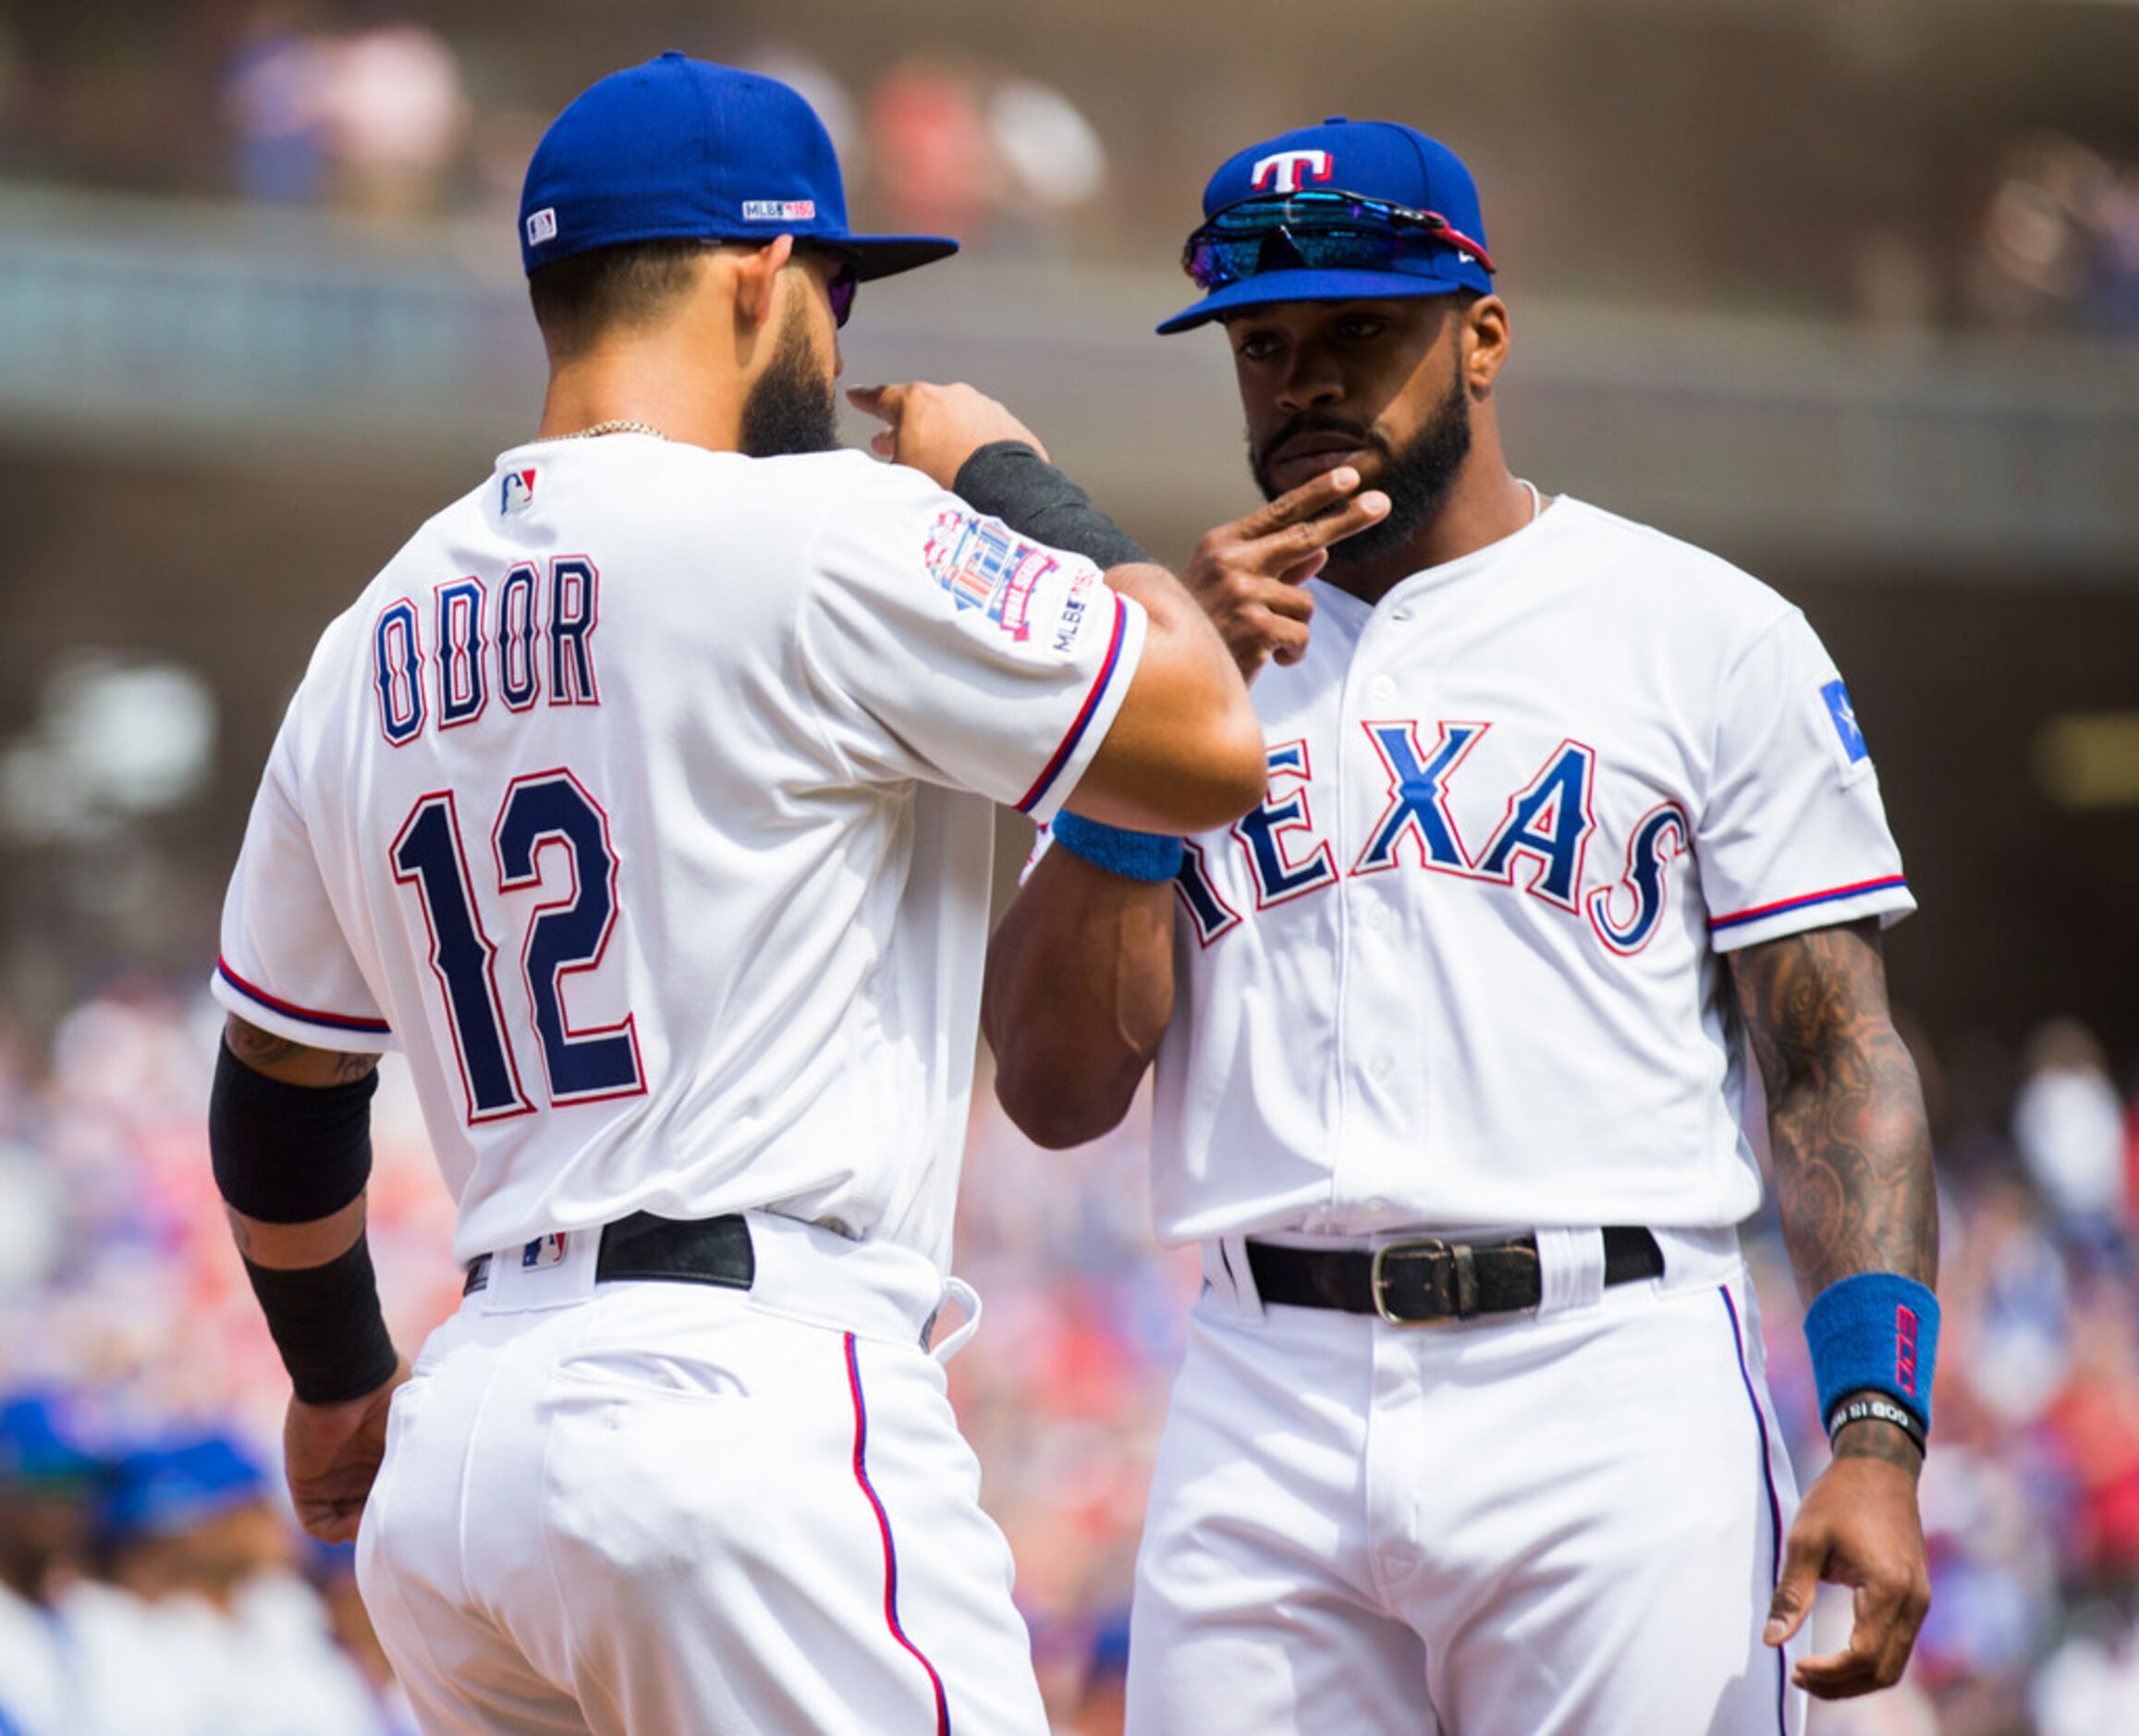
(645, 800)
(1472, 1433)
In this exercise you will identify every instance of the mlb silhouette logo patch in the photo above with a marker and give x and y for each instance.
(543, 1250)
(1845, 721)
(541, 225)
(516, 491)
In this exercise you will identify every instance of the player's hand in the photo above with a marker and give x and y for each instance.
(936, 428)
(1858, 1527)
(1248, 574)
(330, 1453)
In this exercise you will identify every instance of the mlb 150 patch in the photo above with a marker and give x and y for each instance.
(986, 565)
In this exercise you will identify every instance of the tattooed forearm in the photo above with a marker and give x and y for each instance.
(1852, 1155)
(293, 1063)
(1875, 1438)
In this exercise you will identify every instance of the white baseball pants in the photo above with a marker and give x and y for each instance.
(1566, 1522)
(674, 1509)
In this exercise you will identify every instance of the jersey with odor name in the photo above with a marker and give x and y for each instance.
(1464, 964)
(645, 801)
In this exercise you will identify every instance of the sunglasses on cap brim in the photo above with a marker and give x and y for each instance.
(1319, 231)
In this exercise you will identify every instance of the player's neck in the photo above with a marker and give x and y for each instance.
(661, 385)
(1484, 504)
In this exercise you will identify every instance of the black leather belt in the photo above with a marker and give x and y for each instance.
(1416, 1282)
(681, 1251)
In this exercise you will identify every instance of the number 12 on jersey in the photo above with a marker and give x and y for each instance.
(566, 935)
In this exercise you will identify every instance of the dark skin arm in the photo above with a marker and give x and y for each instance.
(1079, 991)
(1853, 1184)
(1080, 979)
(332, 1452)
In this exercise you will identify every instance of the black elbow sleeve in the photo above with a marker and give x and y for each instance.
(288, 1154)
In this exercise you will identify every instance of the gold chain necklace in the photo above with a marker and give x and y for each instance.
(619, 424)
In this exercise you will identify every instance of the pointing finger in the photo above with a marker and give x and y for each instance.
(1316, 495)
(883, 401)
(1302, 538)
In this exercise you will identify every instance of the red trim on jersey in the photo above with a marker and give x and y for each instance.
(1832, 893)
(336, 1021)
(1076, 729)
(884, 1529)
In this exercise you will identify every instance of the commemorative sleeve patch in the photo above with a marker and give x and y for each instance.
(984, 565)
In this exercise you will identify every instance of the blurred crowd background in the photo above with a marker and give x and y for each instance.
(139, 1502)
(1846, 289)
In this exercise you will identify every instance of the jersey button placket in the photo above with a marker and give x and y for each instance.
(1391, 1069)
(1365, 1065)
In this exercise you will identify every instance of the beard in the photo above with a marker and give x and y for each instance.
(792, 407)
(1416, 477)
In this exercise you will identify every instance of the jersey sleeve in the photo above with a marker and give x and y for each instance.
(942, 645)
(1792, 834)
(285, 964)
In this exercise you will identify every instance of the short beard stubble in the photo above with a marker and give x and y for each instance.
(1416, 478)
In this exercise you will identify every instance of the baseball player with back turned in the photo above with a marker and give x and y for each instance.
(1472, 1433)
(645, 800)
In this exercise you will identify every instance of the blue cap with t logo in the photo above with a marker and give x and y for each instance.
(1352, 210)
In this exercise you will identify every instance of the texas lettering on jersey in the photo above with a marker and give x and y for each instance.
(1540, 847)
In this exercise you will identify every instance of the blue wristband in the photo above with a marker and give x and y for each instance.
(1133, 855)
(1874, 1332)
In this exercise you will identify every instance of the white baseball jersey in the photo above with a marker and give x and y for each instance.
(643, 801)
(1463, 965)
(35, 1698)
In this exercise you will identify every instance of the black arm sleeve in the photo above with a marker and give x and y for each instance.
(288, 1154)
(1014, 482)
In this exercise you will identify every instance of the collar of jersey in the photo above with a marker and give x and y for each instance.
(1515, 542)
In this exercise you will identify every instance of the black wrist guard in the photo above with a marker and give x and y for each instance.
(327, 1322)
(288, 1154)
(1014, 482)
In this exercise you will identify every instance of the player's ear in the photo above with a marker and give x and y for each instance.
(757, 273)
(1483, 333)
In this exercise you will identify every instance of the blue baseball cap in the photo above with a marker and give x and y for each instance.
(684, 150)
(1433, 243)
(162, 1490)
(41, 1443)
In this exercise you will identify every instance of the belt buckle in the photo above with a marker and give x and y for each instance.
(1466, 1286)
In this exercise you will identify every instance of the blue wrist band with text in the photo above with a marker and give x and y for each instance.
(1133, 855)
(1874, 1332)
